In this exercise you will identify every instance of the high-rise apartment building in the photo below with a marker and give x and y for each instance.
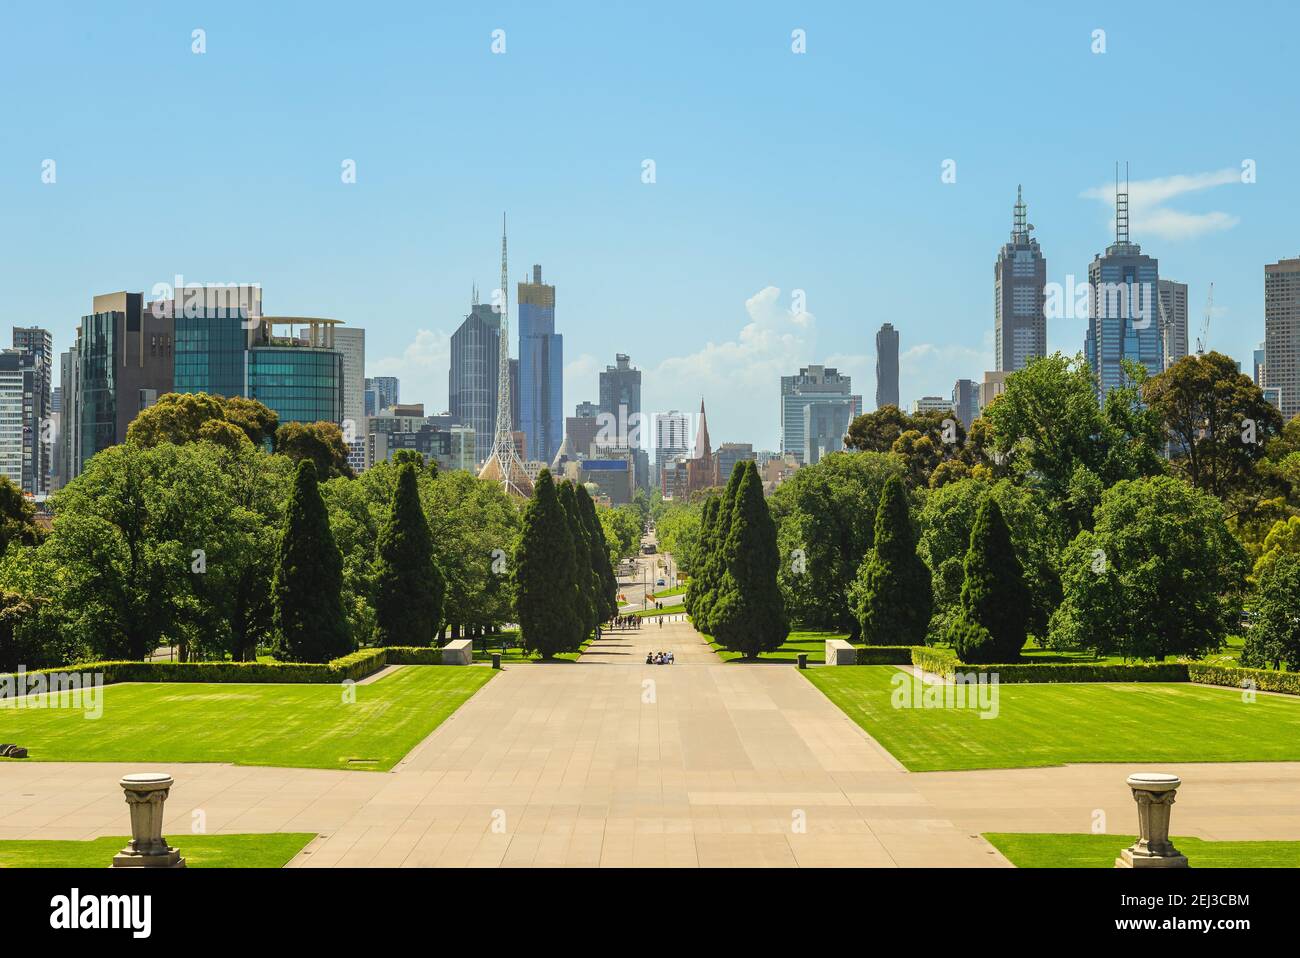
(672, 440)
(351, 342)
(541, 370)
(1019, 296)
(1173, 320)
(816, 384)
(887, 366)
(38, 427)
(1123, 315)
(18, 372)
(388, 390)
(1282, 333)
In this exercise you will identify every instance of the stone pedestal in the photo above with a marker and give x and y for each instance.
(1154, 793)
(146, 792)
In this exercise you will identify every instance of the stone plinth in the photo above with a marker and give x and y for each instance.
(458, 652)
(839, 652)
(146, 793)
(1154, 793)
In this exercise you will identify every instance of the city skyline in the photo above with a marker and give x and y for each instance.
(395, 251)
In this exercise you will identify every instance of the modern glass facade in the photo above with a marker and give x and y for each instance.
(473, 373)
(1123, 322)
(541, 370)
(298, 383)
(96, 374)
(210, 355)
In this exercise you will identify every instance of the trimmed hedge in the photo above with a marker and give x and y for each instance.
(884, 654)
(353, 667)
(1265, 681)
(945, 663)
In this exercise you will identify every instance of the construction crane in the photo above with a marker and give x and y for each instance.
(1204, 337)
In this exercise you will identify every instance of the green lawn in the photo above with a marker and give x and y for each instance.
(666, 610)
(813, 642)
(1100, 851)
(1063, 723)
(515, 652)
(298, 726)
(667, 593)
(271, 850)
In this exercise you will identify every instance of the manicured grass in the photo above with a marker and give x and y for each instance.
(666, 593)
(297, 726)
(1058, 724)
(271, 850)
(515, 652)
(1100, 851)
(813, 642)
(666, 610)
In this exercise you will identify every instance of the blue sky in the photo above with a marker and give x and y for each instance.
(774, 172)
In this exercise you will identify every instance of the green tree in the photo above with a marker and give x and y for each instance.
(321, 442)
(607, 582)
(1219, 423)
(699, 555)
(892, 595)
(1282, 539)
(1274, 635)
(589, 606)
(546, 584)
(748, 614)
(409, 587)
(17, 517)
(713, 565)
(1160, 574)
(993, 593)
(308, 586)
(181, 418)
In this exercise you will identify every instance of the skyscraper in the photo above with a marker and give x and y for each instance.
(1123, 321)
(351, 342)
(887, 366)
(18, 441)
(472, 376)
(1173, 320)
(389, 391)
(620, 400)
(1282, 333)
(1020, 298)
(125, 361)
(671, 430)
(813, 385)
(38, 436)
(541, 370)
(966, 401)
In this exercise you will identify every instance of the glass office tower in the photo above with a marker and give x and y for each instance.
(541, 370)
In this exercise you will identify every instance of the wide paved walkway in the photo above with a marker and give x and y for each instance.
(609, 761)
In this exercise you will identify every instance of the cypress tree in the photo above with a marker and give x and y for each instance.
(748, 613)
(703, 546)
(308, 584)
(546, 592)
(600, 564)
(892, 594)
(994, 593)
(714, 562)
(409, 587)
(584, 578)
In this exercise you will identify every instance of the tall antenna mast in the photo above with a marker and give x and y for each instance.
(1121, 207)
(503, 464)
(1019, 222)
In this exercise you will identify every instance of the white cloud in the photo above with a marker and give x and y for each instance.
(1149, 216)
(422, 368)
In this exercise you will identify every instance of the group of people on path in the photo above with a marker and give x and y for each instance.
(625, 622)
(659, 658)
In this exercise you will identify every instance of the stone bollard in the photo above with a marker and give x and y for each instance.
(146, 792)
(1154, 793)
(802, 659)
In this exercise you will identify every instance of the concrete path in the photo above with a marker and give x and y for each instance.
(609, 761)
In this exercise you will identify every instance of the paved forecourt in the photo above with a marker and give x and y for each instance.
(610, 761)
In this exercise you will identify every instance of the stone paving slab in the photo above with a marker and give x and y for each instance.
(610, 762)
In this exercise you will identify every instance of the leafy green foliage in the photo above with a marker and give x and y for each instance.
(748, 614)
(588, 586)
(409, 587)
(1274, 636)
(892, 595)
(181, 418)
(1159, 575)
(321, 442)
(606, 581)
(993, 593)
(308, 586)
(545, 572)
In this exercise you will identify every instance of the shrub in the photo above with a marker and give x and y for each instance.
(971, 641)
(1263, 679)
